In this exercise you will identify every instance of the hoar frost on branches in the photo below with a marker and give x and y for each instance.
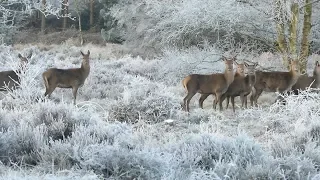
(155, 23)
(13, 12)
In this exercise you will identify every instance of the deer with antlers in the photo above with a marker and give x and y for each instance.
(67, 78)
(10, 79)
(216, 84)
(276, 81)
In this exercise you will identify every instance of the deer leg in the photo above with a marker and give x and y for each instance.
(218, 99)
(232, 102)
(49, 90)
(252, 99)
(202, 98)
(280, 97)
(242, 99)
(74, 92)
(246, 101)
(256, 96)
(227, 103)
(187, 99)
(222, 98)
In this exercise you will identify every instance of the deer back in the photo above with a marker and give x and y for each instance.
(210, 83)
(67, 78)
(11, 79)
(8, 79)
(305, 81)
(278, 80)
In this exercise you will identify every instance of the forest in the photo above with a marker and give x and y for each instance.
(132, 64)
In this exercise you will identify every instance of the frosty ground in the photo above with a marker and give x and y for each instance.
(119, 128)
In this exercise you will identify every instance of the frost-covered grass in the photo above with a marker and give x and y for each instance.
(128, 123)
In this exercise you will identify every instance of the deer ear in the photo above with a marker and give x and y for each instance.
(317, 63)
(82, 53)
(255, 64)
(19, 56)
(30, 55)
(88, 53)
(224, 58)
(236, 62)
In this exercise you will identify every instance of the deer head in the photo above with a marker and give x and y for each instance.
(294, 66)
(251, 68)
(228, 63)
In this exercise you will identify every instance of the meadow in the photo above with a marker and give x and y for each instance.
(128, 122)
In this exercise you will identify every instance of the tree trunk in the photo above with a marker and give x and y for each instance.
(91, 13)
(80, 29)
(281, 39)
(305, 36)
(293, 31)
(65, 12)
(77, 5)
(43, 17)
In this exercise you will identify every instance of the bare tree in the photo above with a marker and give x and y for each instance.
(91, 13)
(65, 9)
(288, 25)
(43, 17)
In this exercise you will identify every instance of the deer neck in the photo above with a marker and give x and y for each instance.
(295, 75)
(251, 79)
(229, 76)
(237, 74)
(316, 77)
(85, 68)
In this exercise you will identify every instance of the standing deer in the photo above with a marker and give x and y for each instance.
(305, 81)
(276, 81)
(11, 79)
(239, 73)
(241, 86)
(67, 78)
(216, 84)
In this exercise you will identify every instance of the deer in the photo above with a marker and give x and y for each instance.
(67, 78)
(276, 81)
(241, 86)
(216, 84)
(239, 73)
(10, 80)
(306, 81)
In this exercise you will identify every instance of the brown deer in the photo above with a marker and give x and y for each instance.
(239, 73)
(276, 81)
(67, 78)
(241, 86)
(10, 79)
(216, 84)
(306, 81)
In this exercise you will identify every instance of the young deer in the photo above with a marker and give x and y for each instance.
(241, 86)
(305, 81)
(275, 81)
(239, 73)
(208, 84)
(11, 79)
(67, 78)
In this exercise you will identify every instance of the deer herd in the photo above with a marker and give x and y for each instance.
(53, 77)
(223, 86)
(230, 85)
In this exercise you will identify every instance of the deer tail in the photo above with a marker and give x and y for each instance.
(45, 79)
(185, 82)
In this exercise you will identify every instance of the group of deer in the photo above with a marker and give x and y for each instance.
(53, 77)
(230, 85)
